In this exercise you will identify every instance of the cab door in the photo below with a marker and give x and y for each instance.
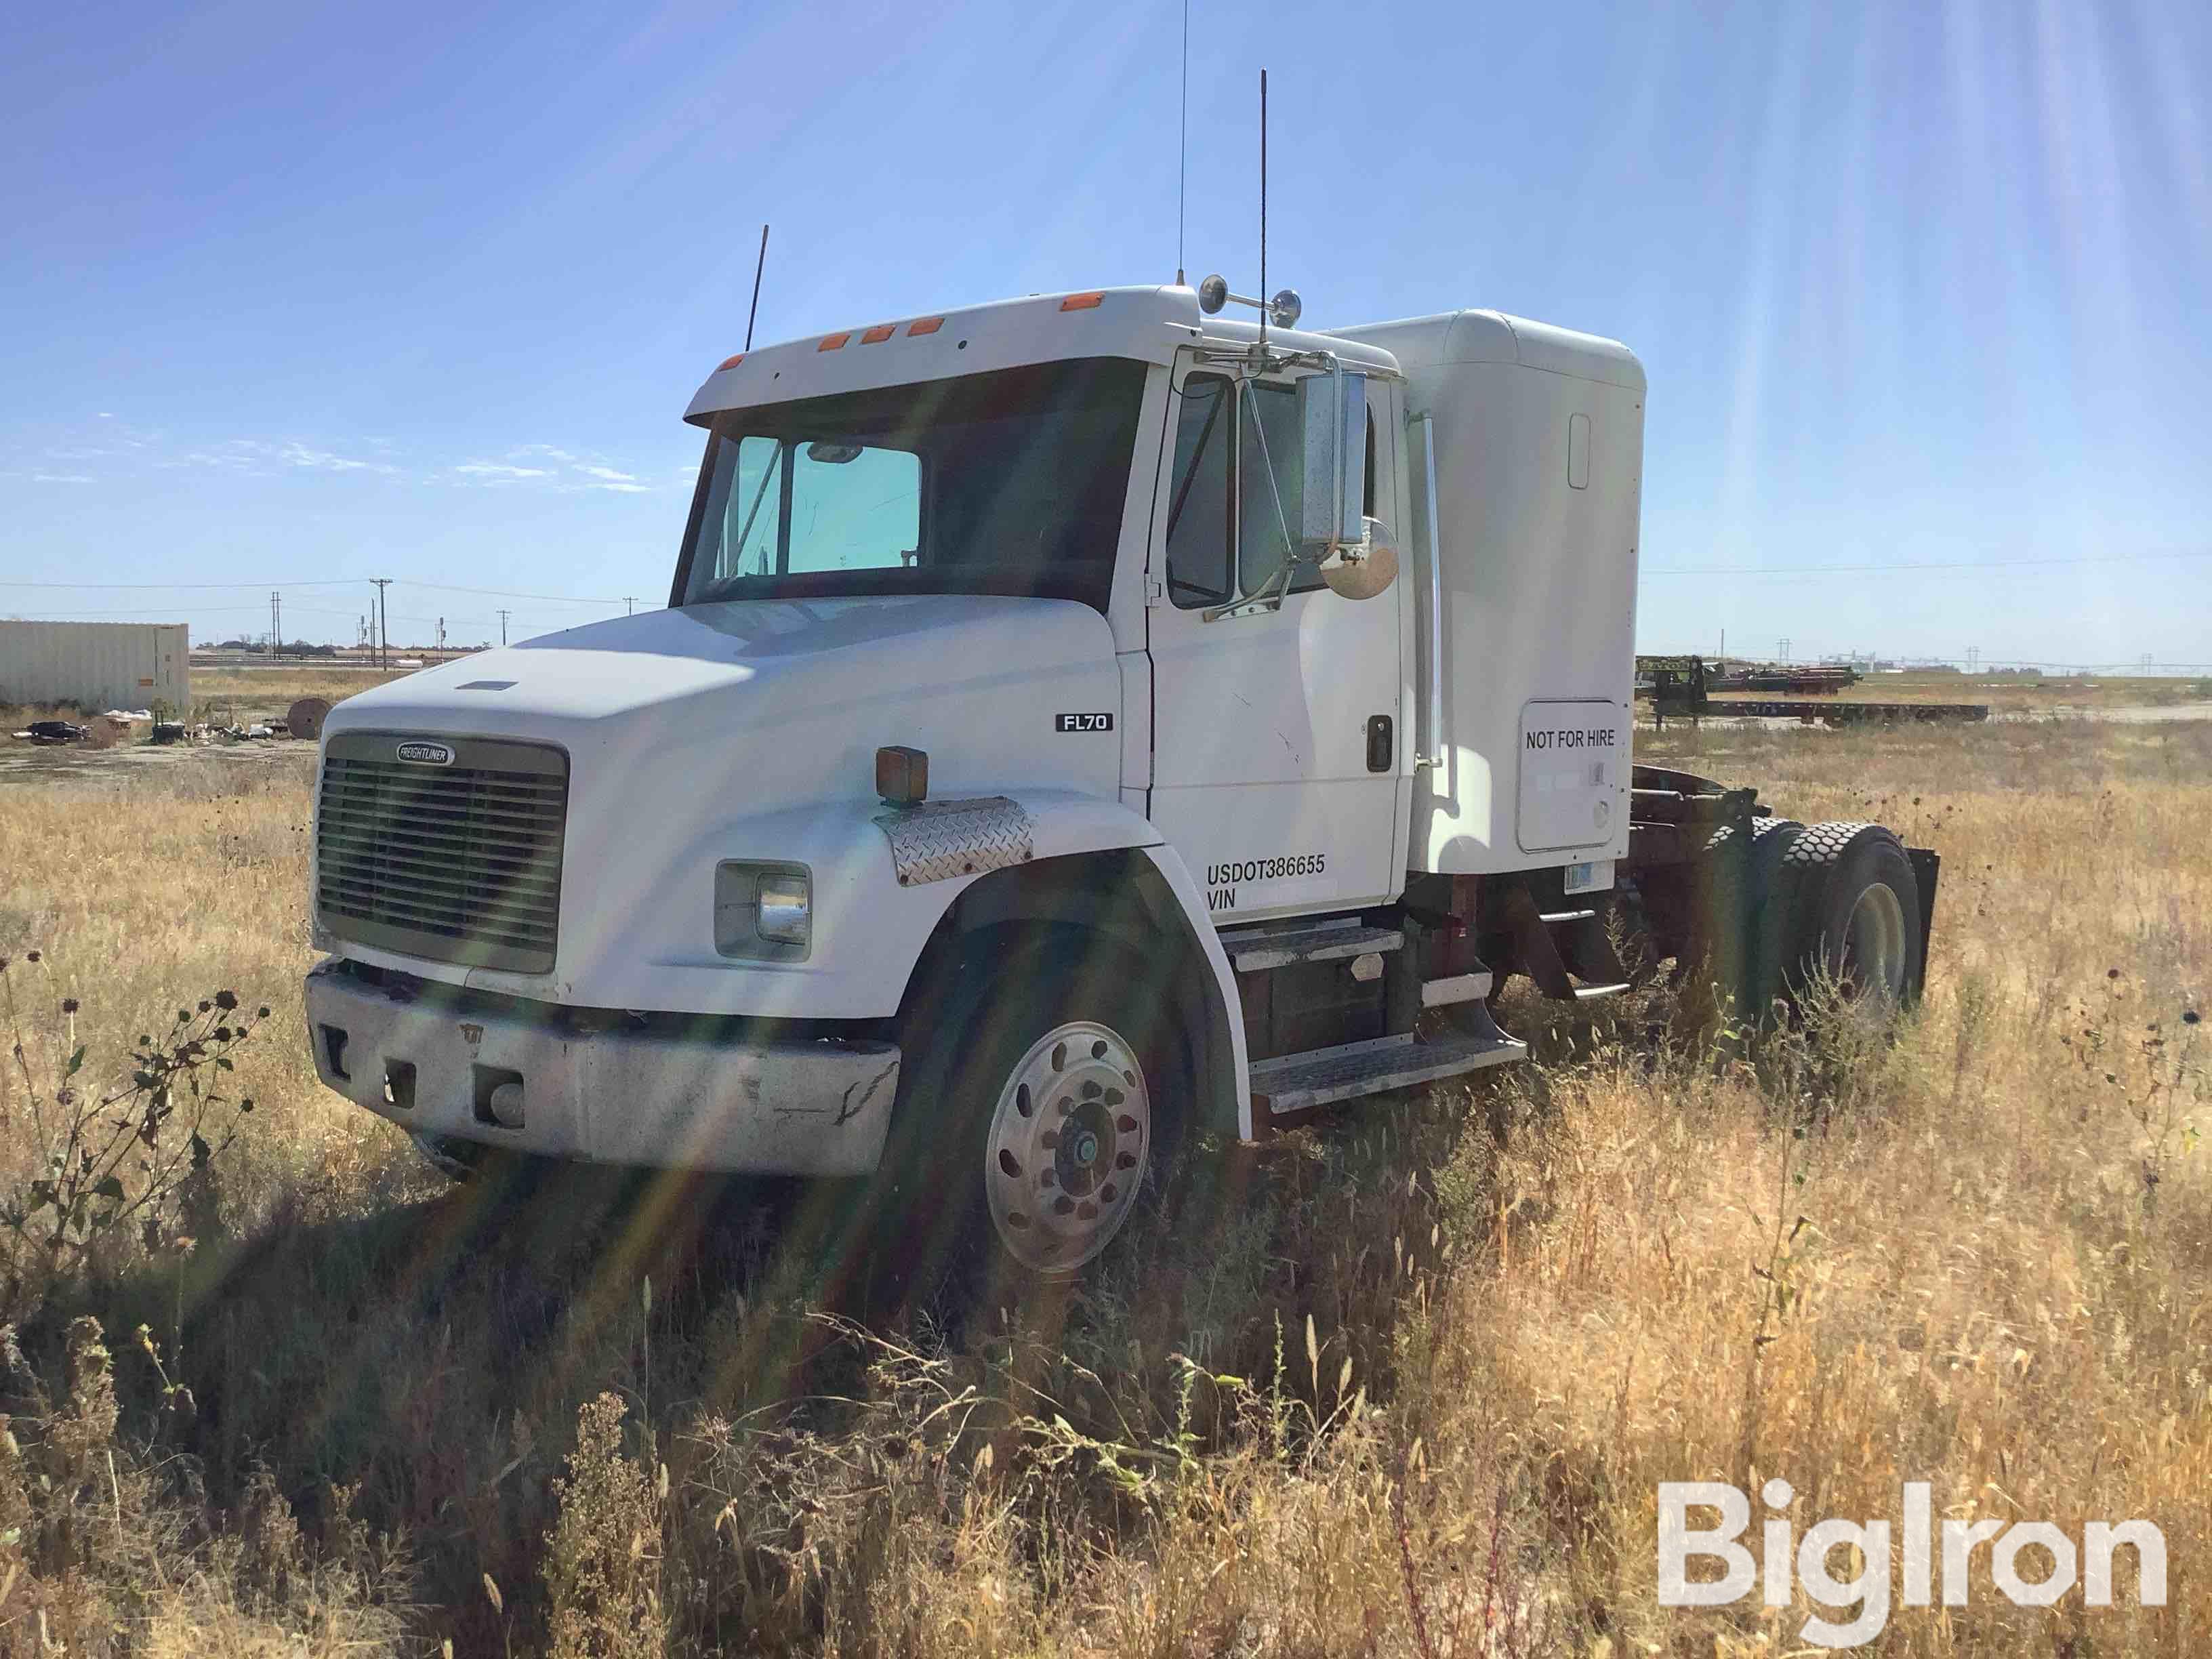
(1278, 735)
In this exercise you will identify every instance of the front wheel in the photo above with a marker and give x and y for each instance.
(1067, 1147)
(1044, 1104)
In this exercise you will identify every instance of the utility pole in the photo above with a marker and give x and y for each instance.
(503, 627)
(1785, 650)
(1973, 658)
(441, 636)
(383, 623)
(631, 603)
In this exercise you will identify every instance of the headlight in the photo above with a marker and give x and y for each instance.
(783, 905)
(765, 911)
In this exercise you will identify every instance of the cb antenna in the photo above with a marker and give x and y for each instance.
(1182, 149)
(759, 265)
(1284, 309)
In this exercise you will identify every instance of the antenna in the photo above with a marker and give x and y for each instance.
(759, 265)
(1213, 293)
(1182, 148)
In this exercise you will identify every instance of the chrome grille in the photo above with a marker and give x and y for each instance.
(459, 862)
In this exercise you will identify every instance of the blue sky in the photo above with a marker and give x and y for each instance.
(294, 294)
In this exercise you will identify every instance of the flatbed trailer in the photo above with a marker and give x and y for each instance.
(1684, 686)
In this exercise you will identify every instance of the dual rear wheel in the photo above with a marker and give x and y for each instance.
(1804, 915)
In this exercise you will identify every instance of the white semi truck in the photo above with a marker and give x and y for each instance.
(1077, 721)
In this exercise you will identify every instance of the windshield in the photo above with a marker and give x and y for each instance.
(1007, 482)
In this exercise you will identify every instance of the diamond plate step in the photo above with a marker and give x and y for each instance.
(1298, 1083)
(1252, 951)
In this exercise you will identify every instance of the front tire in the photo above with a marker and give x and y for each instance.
(1044, 1107)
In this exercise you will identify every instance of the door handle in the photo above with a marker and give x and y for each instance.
(1379, 748)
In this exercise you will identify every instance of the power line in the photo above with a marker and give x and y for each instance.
(189, 587)
(507, 593)
(334, 581)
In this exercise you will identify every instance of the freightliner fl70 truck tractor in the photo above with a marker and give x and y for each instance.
(1080, 724)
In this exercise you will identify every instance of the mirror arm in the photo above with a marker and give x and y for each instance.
(1336, 479)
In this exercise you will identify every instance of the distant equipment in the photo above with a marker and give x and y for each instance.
(305, 718)
(1685, 685)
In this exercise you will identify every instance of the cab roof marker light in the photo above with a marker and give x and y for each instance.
(880, 332)
(729, 363)
(924, 326)
(1082, 302)
(833, 342)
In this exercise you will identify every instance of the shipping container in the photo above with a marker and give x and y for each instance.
(96, 666)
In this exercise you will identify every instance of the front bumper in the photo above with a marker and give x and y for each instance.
(436, 1067)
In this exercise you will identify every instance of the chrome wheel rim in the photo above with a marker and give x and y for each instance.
(1874, 946)
(1067, 1148)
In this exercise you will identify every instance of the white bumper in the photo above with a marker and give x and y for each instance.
(787, 1108)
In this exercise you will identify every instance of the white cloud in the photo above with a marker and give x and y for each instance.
(104, 416)
(239, 455)
(549, 466)
(322, 461)
(62, 478)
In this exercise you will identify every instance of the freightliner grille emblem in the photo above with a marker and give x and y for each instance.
(427, 754)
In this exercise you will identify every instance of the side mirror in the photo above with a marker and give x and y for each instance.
(1332, 418)
(1361, 569)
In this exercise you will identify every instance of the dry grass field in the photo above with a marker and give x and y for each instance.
(253, 690)
(1404, 1385)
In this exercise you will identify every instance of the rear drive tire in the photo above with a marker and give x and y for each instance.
(1045, 1105)
(1853, 906)
(1747, 915)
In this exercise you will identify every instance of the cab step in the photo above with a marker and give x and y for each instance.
(1458, 987)
(1298, 1083)
(1254, 950)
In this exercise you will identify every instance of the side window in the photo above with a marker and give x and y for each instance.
(853, 508)
(1249, 435)
(1272, 485)
(1198, 502)
(752, 510)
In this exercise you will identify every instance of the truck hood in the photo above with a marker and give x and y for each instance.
(748, 732)
(830, 679)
